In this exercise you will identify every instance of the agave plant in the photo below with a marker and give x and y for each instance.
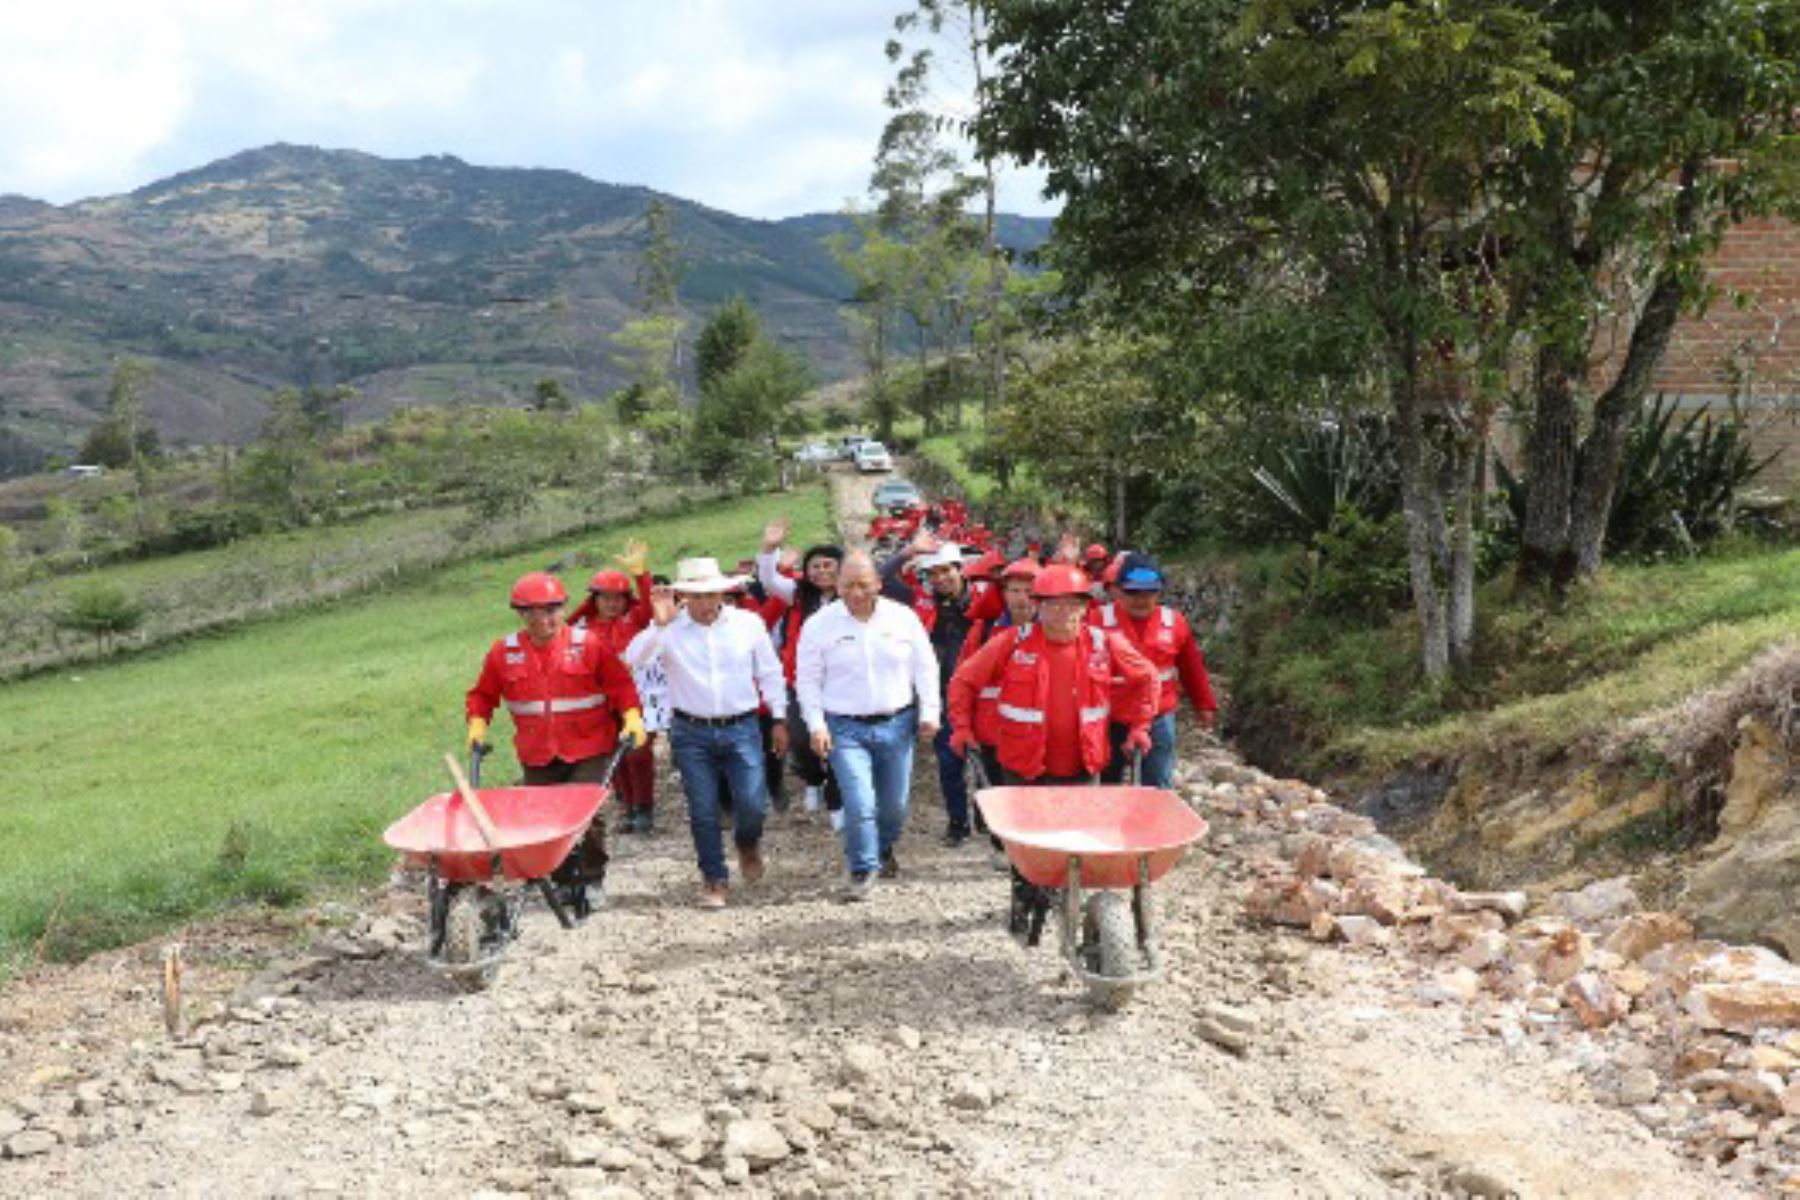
(1679, 482)
(1332, 466)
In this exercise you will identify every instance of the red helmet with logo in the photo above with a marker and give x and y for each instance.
(536, 589)
(1060, 579)
(1025, 568)
(610, 581)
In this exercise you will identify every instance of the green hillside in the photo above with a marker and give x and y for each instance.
(260, 765)
(413, 281)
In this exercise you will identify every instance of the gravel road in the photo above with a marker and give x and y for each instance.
(793, 1045)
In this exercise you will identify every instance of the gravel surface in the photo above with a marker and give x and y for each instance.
(794, 1045)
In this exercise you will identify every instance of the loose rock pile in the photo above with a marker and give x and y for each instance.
(1699, 1040)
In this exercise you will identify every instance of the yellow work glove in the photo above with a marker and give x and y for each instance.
(636, 559)
(477, 732)
(631, 727)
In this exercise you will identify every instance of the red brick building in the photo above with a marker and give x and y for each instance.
(1747, 344)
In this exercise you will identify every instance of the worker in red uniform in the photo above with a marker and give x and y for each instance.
(1167, 640)
(1057, 698)
(617, 609)
(1021, 610)
(571, 700)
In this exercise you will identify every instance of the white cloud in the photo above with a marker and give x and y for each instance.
(765, 107)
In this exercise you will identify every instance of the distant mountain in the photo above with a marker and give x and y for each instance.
(414, 281)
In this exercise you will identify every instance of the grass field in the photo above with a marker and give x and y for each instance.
(275, 572)
(262, 764)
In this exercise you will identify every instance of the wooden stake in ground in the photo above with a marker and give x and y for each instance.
(174, 1019)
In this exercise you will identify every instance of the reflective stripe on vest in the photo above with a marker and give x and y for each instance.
(1099, 713)
(1167, 674)
(512, 641)
(542, 708)
(989, 693)
(1024, 716)
(1108, 617)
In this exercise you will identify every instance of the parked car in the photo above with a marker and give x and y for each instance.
(816, 452)
(873, 456)
(847, 445)
(895, 494)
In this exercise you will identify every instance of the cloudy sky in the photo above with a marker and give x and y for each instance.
(762, 107)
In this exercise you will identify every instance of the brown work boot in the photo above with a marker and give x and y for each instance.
(750, 863)
(712, 895)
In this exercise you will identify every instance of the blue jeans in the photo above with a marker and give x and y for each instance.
(951, 781)
(873, 764)
(1158, 770)
(710, 758)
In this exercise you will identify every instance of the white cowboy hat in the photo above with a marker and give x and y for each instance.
(702, 575)
(947, 555)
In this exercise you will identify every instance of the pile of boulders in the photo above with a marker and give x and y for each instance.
(1698, 1039)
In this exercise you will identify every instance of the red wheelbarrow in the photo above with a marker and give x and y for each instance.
(1116, 841)
(482, 851)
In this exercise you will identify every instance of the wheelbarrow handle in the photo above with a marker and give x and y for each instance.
(626, 746)
(483, 823)
(977, 769)
(1134, 771)
(477, 752)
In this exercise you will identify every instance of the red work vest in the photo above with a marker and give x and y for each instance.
(1168, 632)
(560, 707)
(1024, 695)
(987, 700)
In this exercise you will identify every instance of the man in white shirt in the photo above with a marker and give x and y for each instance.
(868, 685)
(721, 667)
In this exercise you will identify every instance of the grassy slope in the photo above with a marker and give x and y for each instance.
(274, 572)
(259, 764)
(1642, 638)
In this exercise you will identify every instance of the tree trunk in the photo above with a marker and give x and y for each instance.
(1423, 530)
(1118, 507)
(1545, 555)
(1597, 473)
(1461, 600)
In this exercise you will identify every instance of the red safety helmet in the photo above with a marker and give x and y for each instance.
(985, 566)
(537, 589)
(1025, 568)
(611, 581)
(1095, 553)
(1060, 579)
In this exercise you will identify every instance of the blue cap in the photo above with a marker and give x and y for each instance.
(1140, 578)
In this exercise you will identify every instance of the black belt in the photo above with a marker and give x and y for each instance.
(731, 720)
(871, 718)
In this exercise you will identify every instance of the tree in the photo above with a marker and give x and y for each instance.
(1328, 159)
(746, 411)
(549, 395)
(724, 341)
(1096, 422)
(125, 437)
(948, 35)
(1682, 123)
(285, 471)
(105, 611)
(645, 351)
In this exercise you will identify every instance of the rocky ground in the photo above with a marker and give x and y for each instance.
(1332, 1023)
(794, 1045)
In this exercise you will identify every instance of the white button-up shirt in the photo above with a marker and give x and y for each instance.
(862, 668)
(714, 670)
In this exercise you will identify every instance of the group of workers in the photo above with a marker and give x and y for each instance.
(1048, 670)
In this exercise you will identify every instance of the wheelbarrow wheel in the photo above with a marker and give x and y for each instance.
(1112, 945)
(465, 924)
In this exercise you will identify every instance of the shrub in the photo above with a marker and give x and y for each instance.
(1679, 484)
(103, 610)
(1358, 566)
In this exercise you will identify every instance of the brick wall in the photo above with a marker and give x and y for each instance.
(1747, 343)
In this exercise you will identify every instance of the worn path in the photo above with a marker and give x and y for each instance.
(793, 1045)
